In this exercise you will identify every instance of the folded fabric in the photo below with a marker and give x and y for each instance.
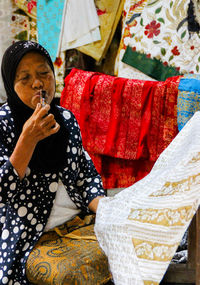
(162, 35)
(147, 221)
(78, 31)
(188, 101)
(122, 118)
(109, 12)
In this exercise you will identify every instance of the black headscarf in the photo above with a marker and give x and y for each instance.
(49, 153)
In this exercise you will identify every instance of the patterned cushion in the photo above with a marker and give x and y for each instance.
(70, 254)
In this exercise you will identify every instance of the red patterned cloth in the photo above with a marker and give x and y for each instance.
(125, 123)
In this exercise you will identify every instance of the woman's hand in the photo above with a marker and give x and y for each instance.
(39, 126)
(94, 204)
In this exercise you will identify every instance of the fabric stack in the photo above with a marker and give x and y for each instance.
(125, 123)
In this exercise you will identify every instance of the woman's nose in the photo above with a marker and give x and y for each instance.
(37, 83)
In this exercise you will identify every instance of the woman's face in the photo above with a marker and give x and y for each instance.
(34, 74)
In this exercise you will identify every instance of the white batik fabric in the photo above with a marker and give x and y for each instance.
(79, 30)
(141, 227)
(5, 36)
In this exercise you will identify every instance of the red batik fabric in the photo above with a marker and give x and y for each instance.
(125, 123)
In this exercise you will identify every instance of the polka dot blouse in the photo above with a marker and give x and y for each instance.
(26, 205)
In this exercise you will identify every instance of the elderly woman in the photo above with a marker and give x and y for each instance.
(46, 177)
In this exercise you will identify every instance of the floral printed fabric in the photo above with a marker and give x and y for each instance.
(23, 23)
(161, 32)
(131, 8)
(147, 221)
(28, 6)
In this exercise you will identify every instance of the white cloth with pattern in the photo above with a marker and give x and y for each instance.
(141, 227)
(80, 25)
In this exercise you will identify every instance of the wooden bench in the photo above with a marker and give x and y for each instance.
(188, 273)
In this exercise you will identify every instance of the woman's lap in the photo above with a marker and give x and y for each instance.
(69, 254)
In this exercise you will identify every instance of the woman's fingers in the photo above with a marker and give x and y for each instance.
(41, 124)
(40, 111)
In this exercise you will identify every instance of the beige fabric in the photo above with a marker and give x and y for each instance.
(146, 221)
(111, 13)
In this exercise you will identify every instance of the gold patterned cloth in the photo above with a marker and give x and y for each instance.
(68, 254)
(146, 222)
(109, 12)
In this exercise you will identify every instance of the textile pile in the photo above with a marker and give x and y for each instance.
(125, 124)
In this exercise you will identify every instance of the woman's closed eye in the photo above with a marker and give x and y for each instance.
(43, 73)
(25, 77)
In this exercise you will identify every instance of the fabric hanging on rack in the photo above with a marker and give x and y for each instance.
(24, 27)
(109, 12)
(29, 7)
(79, 31)
(49, 23)
(132, 9)
(161, 39)
(5, 37)
(188, 101)
(122, 118)
(146, 222)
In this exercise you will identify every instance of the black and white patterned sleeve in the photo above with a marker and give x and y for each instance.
(88, 181)
(9, 179)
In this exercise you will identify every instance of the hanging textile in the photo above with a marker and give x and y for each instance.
(24, 27)
(147, 221)
(79, 31)
(5, 37)
(188, 98)
(49, 23)
(29, 7)
(132, 9)
(162, 40)
(122, 118)
(109, 12)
